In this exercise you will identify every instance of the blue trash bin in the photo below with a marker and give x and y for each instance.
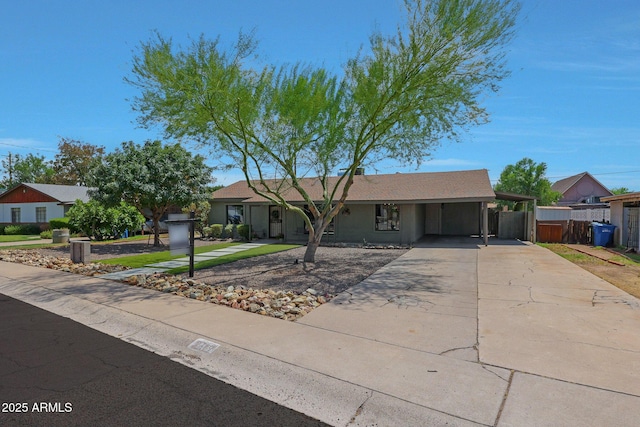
(602, 234)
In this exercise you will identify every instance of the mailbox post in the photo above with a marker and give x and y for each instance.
(178, 243)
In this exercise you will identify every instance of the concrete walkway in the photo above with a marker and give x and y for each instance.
(448, 334)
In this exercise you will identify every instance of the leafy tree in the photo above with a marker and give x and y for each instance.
(32, 168)
(100, 222)
(201, 209)
(620, 190)
(528, 178)
(151, 177)
(73, 162)
(398, 100)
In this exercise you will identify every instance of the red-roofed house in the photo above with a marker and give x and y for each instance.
(38, 203)
(395, 208)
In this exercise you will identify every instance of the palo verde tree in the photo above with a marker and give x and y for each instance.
(398, 99)
(152, 177)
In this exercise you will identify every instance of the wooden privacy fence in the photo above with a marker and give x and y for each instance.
(570, 231)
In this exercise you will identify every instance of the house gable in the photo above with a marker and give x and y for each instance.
(45, 193)
(581, 188)
(25, 194)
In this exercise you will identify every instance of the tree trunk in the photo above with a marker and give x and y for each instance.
(156, 231)
(310, 253)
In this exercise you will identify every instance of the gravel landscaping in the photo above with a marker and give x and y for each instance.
(278, 285)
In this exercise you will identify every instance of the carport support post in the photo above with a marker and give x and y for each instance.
(485, 223)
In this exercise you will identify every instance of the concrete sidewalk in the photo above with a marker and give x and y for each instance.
(447, 334)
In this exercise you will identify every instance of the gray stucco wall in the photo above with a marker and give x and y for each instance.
(460, 219)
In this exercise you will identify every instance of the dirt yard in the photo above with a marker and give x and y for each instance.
(625, 277)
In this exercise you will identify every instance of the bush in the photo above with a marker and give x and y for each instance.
(206, 232)
(58, 223)
(99, 222)
(28, 229)
(228, 230)
(2, 229)
(48, 234)
(13, 230)
(244, 231)
(216, 231)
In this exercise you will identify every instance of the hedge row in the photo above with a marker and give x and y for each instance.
(219, 231)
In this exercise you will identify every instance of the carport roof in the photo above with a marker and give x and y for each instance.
(627, 197)
(429, 187)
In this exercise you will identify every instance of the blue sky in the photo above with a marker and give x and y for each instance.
(573, 100)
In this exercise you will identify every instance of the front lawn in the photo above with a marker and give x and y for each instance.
(17, 238)
(137, 261)
(249, 253)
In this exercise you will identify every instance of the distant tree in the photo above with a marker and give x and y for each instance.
(399, 99)
(32, 168)
(152, 177)
(621, 190)
(99, 222)
(74, 160)
(528, 178)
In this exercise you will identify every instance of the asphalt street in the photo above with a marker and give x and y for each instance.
(57, 372)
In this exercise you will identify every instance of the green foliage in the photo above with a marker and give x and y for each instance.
(398, 100)
(620, 190)
(57, 223)
(201, 209)
(23, 229)
(229, 231)
(216, 230)
(47, 234)
(31, 168)
(527, 178)
(99, 222)
(151, 177)
(244, 231)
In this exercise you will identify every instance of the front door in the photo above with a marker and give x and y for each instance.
(275, 222)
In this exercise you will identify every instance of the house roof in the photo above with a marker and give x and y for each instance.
(61, 193)
(565, 184)
(459, 186)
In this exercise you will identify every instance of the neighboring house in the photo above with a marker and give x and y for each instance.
(625, 215)
(38, 203)
(581, 191)
(395, 209)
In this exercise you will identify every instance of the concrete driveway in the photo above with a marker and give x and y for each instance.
(451, 333)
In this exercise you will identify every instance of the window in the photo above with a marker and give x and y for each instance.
(41, 214)
(387, 217)
(235, 214)
(15, 215)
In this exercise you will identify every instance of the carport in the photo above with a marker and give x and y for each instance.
(516, 224)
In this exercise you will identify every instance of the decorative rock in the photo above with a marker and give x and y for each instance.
(281, 304)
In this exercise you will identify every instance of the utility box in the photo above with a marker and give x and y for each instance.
(80, 252)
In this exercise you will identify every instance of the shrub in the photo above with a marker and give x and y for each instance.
(2, 229)
(48, 234)
(99, 222)
(216, 230)
(13, 230)
(58, 223)
(29, 229)
(244, 231)
(228, 230)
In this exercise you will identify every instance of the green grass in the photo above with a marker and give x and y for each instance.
(250, 253)
(18, 238)
(137, 261)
